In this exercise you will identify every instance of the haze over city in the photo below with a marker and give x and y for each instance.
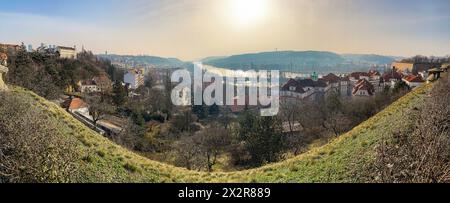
(194, 29)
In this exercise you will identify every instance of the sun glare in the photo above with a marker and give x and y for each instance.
(247, 12)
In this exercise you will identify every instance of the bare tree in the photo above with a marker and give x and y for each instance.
(99, 107)
(212, 141)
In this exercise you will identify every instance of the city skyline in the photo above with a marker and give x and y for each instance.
(195, 29)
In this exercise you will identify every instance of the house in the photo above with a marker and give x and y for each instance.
(304, 89)
(363, 88)
(88, 86)
(77, 105)
(134, 78)
(413, 80)
(10, 48)
(392, 77)
(337, 83)
(66, 52)
(356, 76)
(103, 82)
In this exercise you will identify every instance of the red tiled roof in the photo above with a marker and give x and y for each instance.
(373, 73)
(364, 85)
(414, 78)
(77, 103)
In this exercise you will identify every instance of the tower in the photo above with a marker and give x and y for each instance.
(315, 76)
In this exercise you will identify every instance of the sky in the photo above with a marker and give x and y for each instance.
(194, 29)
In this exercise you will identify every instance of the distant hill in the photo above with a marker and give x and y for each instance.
(213, 58)
(369, 58)
(300, 61)
(145, 60)
(282, 60)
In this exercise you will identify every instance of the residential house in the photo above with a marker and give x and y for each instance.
(88, 86)
(355, 77)
(13, 48)
(77, 105)
(392, 77)
(340, 84)
(363, 88)
(413, 80)
(304, 89)
(103, 82)
(134, 78)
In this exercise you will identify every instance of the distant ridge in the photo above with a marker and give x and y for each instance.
(303, 61)
(145, 60)
(369, 58)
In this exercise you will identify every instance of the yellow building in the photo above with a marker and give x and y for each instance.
(67, 52)
(403, 67)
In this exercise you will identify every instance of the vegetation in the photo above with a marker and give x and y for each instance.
(339, 161)
(419, 153)
(48, 75)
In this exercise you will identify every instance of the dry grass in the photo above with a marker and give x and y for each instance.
(338, 161)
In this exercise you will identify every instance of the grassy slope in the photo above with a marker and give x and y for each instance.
(104, 161)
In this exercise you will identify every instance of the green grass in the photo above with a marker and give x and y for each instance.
(338, 161)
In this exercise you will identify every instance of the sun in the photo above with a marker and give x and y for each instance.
(247, 12)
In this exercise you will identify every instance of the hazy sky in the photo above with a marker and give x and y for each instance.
(193, 29)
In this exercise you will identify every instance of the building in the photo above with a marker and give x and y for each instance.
(340, 84)
(414, 68)
(134, 78)
(374, 77)
(363, 88)
(59, 51)
(304, 89)
(413, 80)
(357, 76)
(88, 86)
(66, 52)
(12, 48)
(392, 77)
(77, 105)
(103, 82)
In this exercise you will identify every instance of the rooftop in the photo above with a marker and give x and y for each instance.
(364, 85)
(77, 103)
